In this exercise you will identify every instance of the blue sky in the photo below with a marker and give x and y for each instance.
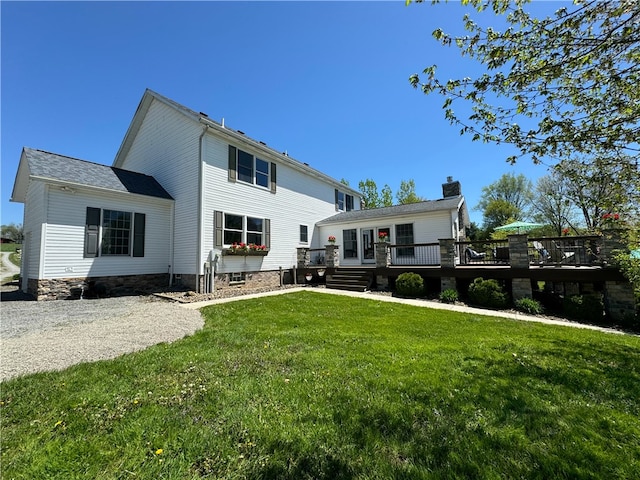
(325, 81)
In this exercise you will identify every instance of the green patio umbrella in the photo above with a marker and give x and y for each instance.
(520, 227)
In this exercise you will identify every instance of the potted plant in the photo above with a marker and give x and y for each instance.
(383, 236)
(332, 239)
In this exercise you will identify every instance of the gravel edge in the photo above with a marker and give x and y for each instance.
(53, 335)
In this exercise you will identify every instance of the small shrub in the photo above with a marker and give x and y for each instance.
(529, 305)
(584, 307)
(410, 284)
(488, 293)
(449, 296)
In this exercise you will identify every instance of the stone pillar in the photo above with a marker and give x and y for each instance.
(518, 251)
(447, 261)
(383, 260)
(447, 253)
(304, 257)
(332, 254)
(519, 260)
(383, 255)
(521, 288)
(619, 301)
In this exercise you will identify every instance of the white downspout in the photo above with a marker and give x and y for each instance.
(172, 229)
(200, 204)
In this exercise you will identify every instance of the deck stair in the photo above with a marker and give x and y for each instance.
(349, 279)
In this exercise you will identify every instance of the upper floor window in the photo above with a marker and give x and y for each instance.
(304, 234)
(344, 202)
(247, 168)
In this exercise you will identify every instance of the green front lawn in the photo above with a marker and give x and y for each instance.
(310, 385)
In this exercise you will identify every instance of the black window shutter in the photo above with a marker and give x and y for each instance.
(138, 234)
(273, 178)
(336, 192)
(217, 228)
(91, 231)
(267, 233)
(233, 161)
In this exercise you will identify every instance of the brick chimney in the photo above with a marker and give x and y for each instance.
(451, 188)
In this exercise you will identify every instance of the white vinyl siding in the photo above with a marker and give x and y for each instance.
(427, 228)
(35, 221)
(298, 196)
(166, 147)
(65, 232)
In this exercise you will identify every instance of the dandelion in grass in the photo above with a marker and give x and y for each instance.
(159, 451)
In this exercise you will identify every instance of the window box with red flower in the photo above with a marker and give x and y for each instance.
(250, 249)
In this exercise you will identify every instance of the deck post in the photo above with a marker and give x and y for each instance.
(303, 257)
(447, 263)
(519, 260)
(383, 255)
(383, 260)
(332, 255)
(619, 300)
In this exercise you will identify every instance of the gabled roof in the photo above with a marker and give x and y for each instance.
(47, 166)
(444, 204)
(235, 136)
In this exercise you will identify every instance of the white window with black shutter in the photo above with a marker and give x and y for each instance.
(232, 229)
(114, 233)
(247, 168)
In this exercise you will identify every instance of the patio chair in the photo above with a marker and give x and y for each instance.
(543, 252)
(558, 255)
(471, 255)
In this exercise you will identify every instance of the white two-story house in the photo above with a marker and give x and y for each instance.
(187, 200)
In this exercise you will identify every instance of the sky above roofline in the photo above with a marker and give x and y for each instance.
(325, 81)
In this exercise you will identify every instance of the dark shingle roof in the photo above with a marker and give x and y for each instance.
(52, 166)
(450, 203)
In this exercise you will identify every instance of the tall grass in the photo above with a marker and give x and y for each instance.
(308, 385)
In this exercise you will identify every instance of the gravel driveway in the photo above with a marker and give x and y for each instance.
(52, 335)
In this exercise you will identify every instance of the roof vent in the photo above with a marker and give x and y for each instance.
(240, 132)
(204, 114)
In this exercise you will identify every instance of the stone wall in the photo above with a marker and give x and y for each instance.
(619, 301)
(253, 281)
(74, 288)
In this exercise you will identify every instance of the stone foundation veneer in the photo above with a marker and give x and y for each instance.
(253, 280)
(71, 288)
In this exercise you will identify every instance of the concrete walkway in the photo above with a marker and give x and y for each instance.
(415, 303)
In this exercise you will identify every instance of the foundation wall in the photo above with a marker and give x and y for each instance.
(90, 287)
